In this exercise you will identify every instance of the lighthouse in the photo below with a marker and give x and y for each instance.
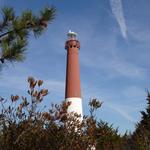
(73, 89)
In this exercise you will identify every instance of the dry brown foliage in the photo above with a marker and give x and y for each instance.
(24, 127)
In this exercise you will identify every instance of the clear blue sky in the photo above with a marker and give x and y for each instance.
(114, 55)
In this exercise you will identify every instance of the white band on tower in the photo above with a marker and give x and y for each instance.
(76, 105)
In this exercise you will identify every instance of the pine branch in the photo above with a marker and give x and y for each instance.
(15, 30)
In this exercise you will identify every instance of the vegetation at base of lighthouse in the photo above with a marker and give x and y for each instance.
(24, 126)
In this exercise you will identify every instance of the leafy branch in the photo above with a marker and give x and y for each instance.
(15, 31)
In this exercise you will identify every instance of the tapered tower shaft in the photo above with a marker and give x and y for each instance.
(73, 90)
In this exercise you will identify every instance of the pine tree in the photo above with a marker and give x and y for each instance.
(15, 31)
(108, 138)
(141, 136)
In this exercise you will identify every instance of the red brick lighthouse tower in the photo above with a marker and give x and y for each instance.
(73, 90)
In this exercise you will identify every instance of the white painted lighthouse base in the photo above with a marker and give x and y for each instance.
(76, 105)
